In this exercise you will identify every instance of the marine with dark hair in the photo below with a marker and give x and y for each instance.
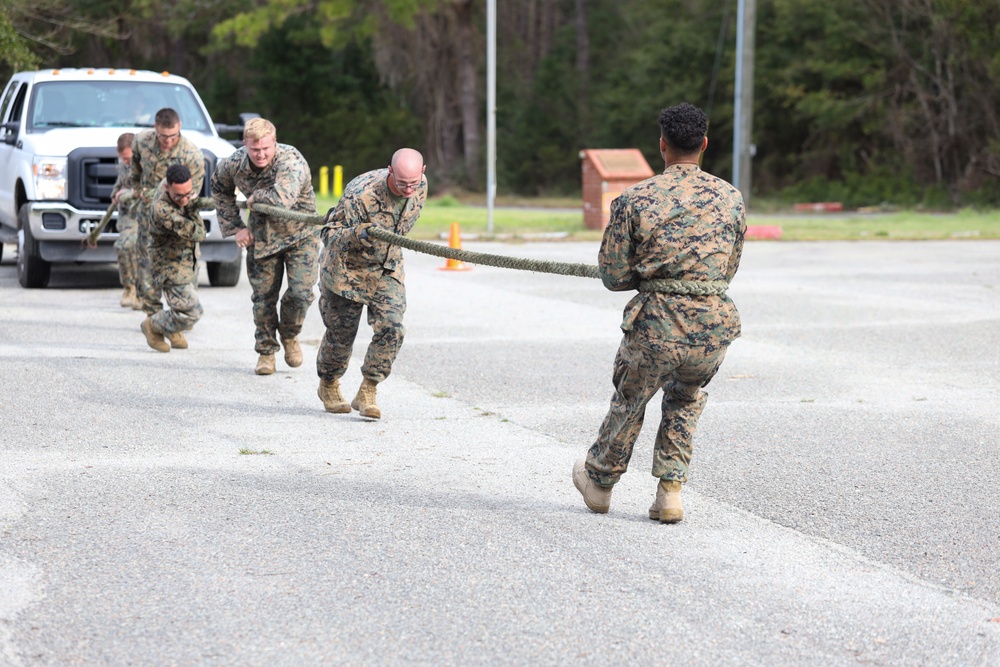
(687, 225)
(175, 229)
(153, 151)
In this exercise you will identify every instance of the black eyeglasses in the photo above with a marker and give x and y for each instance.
(407, 186)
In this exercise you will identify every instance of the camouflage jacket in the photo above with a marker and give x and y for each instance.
(683, 224)
(124, 182)
(175, 232)
(286, 182)
(149, 164)
(352, 267)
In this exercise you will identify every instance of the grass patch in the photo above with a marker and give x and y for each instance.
(902, 225)
(527, 217)
(441, 394)
(531, 218)
(244, 451)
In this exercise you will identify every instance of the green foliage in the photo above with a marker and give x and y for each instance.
(445, 201)
(816, 77)
(328, 104)
(541, 141)
(984, 198)
(658, 54)
(338, 22)
(877, 188)
(14, 50)
(881, 101)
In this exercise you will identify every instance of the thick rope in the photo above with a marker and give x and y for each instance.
(204, 203)
(91, 239)
(666, 286)
(485, 259)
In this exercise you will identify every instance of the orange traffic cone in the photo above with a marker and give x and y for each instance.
(455, 242)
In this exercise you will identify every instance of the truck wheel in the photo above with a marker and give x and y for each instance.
(224, 274)
(32, 270)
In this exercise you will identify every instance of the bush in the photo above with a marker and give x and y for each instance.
(444, 201)
(983, 198)
(882, 186)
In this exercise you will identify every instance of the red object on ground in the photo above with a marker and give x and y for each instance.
(821, 207)
(763, 232)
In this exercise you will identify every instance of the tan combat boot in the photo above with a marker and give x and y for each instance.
(597, 498)
(333, 400)
(667, 507)
(128, 297)
(265, 365)
(177, 340)
(153, 337)
(136, 300)
(293, 351)
(364, 402)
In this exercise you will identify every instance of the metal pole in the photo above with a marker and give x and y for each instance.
(746, 20)
(491, 111)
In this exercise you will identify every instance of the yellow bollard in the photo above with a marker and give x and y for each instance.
(324, 177)
(338, 181)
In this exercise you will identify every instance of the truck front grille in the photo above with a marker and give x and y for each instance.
(92, 173)
(99, 176)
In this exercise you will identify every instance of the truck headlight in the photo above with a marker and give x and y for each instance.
(50, 177)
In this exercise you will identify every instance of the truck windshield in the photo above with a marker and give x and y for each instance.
(111, 104)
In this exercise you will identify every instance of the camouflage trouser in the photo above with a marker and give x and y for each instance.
(128, 234)
(184, 309)
(641, 369)
(342, 318)
(147, 285)
(300, 263)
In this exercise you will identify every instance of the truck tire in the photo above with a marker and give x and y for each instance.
(32, 270)
(224, 274)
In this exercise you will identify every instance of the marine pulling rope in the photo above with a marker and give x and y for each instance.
(663, 285)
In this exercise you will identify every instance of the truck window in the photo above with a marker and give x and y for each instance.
(18, 106)
(7, 97)
(111, 104)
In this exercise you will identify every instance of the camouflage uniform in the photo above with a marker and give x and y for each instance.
(174, 235)
(360, 272)
(281, 247)
(149, 166)
(128, 229)
(683, 224)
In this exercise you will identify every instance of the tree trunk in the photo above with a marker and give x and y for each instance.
(582, 42)
(583, 68)
(468, 98)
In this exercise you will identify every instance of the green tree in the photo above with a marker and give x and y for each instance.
(423, 49)
(328, 103)
(31, 30)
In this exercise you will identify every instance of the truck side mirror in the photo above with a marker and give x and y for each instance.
(10, 133)
(223, 128)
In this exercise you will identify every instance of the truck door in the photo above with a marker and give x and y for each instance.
(11, 110)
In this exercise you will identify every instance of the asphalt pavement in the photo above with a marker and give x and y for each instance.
(843, 506)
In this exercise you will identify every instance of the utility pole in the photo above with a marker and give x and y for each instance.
(743, 148)
(491, 111)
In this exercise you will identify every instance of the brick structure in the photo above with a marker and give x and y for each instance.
(606, 173)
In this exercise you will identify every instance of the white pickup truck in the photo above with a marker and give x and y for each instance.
(58, 159)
